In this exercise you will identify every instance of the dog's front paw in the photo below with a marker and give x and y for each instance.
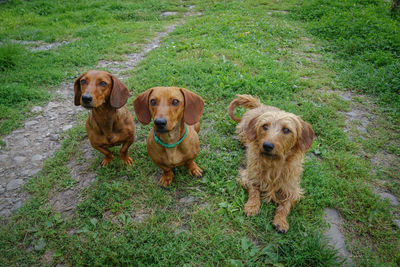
(165, 180)
(280, 224)
(127, 160)
(196, 172)
(251, 208)
(106, 161)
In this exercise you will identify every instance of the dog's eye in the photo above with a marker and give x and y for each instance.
(265, 127)
(153, 102)
(175, 102)
(286, 130)
(83, 82)
(102, 83)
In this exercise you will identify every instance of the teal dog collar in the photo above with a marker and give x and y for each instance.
(158, 140)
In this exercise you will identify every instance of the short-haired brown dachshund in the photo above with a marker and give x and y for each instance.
(276, 142)
(173, 141)
(109, 123)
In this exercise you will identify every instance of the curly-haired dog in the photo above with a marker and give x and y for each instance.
(109, 123)
(276, 142)
(173, 141)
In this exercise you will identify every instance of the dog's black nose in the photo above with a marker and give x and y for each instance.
(268, 146)
(87, 99)
(160, 122)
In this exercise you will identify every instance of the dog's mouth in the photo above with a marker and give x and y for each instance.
(269, 155)
(161, 130)
(87, 106)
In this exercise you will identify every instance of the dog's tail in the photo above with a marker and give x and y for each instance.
(247, 101)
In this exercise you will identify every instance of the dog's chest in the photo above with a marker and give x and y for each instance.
(173, 157)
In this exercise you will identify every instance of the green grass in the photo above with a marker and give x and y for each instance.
(234, 47)
(95, 29)
(366, 37)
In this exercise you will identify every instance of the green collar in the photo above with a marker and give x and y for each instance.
(158, 140)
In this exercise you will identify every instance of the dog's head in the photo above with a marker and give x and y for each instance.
(94, 88)
(278, 133)
(167, 106)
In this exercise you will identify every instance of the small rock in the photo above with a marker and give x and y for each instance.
(187, 200)
(67, 127)
(37, 109)
(37, 157)
(53, 137)
(19, 159)
(2, 190)
(392, 199)
(31, 123)
(397, 223)
(17, 205)
(14, 184)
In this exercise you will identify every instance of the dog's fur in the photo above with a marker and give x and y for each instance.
(109, 123)
(273, 174)
(158, 103)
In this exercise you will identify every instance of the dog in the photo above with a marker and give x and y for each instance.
(109, 123)
(276, 142)
(173, 141)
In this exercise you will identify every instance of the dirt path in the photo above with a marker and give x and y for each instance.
(28, 147)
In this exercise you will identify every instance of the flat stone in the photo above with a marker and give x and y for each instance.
(66, 127)
(17, 204)
(392, 199)
(30, 123)
(397, 223)
(3, 158)
(5, 213)
(37, 109)
(19, 159)
(53, 137)
(2, 190)
(334, 235)
(14, 184)
(168, 13)
(37, 157)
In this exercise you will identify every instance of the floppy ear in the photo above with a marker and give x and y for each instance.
(251, 131)
(141, 106)
(307, 136)
(77, 90)
(194, 106)
(119, 93)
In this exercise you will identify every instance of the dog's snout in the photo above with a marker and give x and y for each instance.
(160, 122)
(268, 147)
(86, 99)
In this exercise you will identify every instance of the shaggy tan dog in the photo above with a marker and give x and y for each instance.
(276, 142)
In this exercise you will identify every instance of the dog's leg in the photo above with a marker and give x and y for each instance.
(253, 203)
(124, 153)
(282, 211)
(108, 156)
(194, 169)
(167, 176)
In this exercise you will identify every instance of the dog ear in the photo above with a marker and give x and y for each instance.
(307, 136)
(141, 106)
(119, 93)
(194, 106)
(77, 90)
(251, 131)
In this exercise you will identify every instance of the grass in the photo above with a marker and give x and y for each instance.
(365, 37)
(95, 30)
(234, 47)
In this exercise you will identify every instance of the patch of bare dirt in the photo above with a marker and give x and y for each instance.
(66, 201)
